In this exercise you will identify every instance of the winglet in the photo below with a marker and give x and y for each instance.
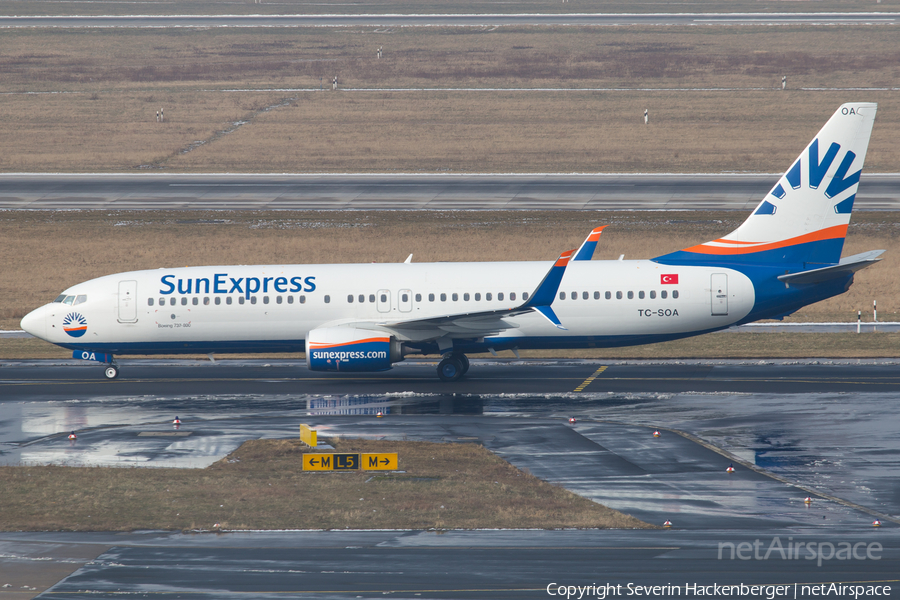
(550, 316)
(545, 292)
(586, 252)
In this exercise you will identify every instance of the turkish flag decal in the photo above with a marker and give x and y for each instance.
(667, 279)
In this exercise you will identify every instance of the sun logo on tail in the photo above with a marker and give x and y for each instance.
(75, 324)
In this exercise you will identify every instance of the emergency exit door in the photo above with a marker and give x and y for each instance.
(127, 301)
(719, 293)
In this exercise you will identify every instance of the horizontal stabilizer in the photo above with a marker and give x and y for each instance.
(848, 265)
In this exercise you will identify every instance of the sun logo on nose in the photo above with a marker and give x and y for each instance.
(75, 324)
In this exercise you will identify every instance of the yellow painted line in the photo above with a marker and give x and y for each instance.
(591, 379)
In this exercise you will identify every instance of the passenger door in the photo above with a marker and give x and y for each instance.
(383, 301)
(719, 293)
(127, 301)
(404, 300)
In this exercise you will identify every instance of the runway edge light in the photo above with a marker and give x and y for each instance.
(807, 500)
(730, 469)
(656, 433)
(72, 436)
(876, 523)
(668, 523)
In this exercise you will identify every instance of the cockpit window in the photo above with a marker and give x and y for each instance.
(80, 299)
(60, 298)
(69, 300)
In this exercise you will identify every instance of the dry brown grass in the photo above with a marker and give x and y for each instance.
(45, 252)
(116, 80)
(261, 485)
(190, 7)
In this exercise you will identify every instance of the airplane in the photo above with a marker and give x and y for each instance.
(366, 317)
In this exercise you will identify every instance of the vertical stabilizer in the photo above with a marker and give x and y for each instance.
(804, 218)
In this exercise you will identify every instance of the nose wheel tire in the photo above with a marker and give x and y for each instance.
(111, 372)
(450, 369)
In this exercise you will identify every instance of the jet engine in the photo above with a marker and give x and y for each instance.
(349, 349)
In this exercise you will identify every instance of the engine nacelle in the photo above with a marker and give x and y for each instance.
(348, 349)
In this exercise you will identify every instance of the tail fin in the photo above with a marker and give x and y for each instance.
(804, 218)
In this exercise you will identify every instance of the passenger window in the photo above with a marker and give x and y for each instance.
(350, 298)
(383, 297)
(466, 296)
(525, 296)
(562, 295)
(443, 297)
(184, 300)
(405, 298)
(596, 295)
(302, 299)
(418, 297)
(171, 301)
(431, 297)
(500, 296)
(477, 297)
(195, 301)
(618, 295)
(362, 298)
(608, 295)
(219, 300)
(277, 299)
(149, 301)
(455, 297)
(584, 295)
(641, 295)
(265, 299)
(663, 294)
(228, 300)
(653, 294)
(206, 301)
(512, 295)
(69, 300)
(372, 298)
(240, 299)
(674, 293)
(252, 299)
(80, 299)
(327, 299)
(631, 295)
(290, 299)
(488, 297)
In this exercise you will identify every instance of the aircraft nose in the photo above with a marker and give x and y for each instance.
(35, 322)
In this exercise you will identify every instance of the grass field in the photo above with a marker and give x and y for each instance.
(86, 100)
(261, 485)
(45, 252)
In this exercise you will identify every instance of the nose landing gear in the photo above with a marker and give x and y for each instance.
(453, 367)
(112, 371)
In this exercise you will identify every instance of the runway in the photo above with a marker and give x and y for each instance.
(449, 20)
(791, 428)
(410, 192)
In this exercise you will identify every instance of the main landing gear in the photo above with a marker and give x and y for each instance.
(453, 367)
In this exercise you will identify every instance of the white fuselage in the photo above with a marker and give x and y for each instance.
(273, 307)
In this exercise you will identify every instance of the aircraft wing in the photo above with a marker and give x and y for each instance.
(481, 323)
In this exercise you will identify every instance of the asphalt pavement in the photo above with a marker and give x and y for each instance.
(410, 192)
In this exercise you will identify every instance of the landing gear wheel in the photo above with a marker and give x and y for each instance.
(464, 361)
(111, 372)
(450, 369)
